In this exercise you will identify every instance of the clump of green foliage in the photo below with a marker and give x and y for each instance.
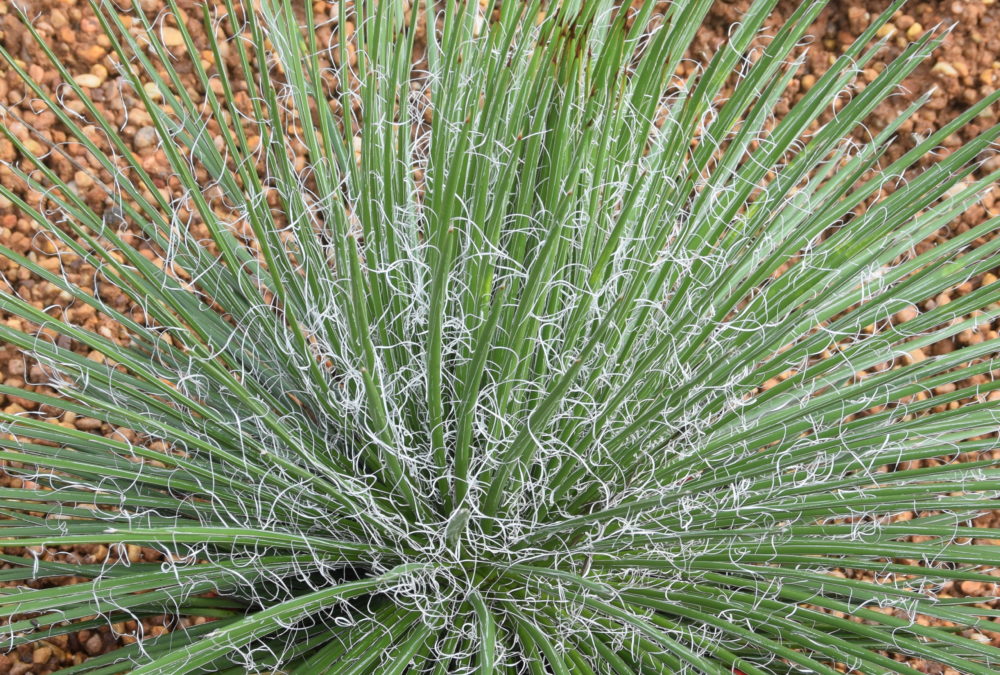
(486, 393)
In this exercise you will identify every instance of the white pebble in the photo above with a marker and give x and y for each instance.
(146, 137)
(88, 80)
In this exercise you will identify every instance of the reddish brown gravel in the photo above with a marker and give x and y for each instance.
(962, 71)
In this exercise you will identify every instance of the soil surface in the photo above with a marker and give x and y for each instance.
(963, 70)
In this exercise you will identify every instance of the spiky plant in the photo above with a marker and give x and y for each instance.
(566, 366)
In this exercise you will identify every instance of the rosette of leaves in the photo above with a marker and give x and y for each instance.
(476, 341)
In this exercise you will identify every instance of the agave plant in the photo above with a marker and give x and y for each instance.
(479, 342)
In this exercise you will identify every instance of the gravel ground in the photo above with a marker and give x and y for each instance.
(963, 70)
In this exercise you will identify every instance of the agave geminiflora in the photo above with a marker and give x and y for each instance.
(488, 394)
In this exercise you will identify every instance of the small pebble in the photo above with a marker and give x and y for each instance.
(41, 655)
(152, 91)
(94, 644)
(945, 68)
(906, 314)
(92, 54)
(87, 424)
(83, 179)
(172, 37)
(972, 587)
(146, 137)
(88, 80)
